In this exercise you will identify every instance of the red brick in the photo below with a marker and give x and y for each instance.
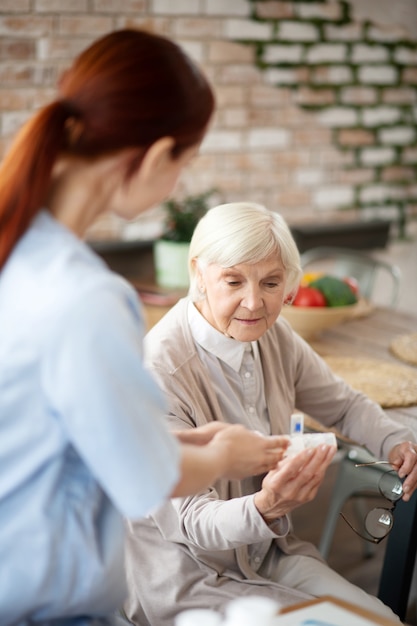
(289, 158)
(197, 27)
(268, 178)
(242, 161)
(229, 52)
(231, 118)
(204, 162)
(15, 6)
(239, 74)
(229, 181)
(30, 26)
(399, 95)
(14, 99)
(398, 173)
(119, 6)
(61, 6)
(312, 136)
(90, 25)
(294, 197)
(265, 117)
(62, 47)
(268, 96)
(356, 137)
(308, 96)
(16, 75)
(410, 75)
(297, 117)
(359, 95)
(17, 49)
(159, 25)
(274, 9)
(229, 95)
(356, 176)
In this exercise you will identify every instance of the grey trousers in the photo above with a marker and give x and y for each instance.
(316, 578)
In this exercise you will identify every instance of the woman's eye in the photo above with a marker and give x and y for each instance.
(272, 285)
(233, 283)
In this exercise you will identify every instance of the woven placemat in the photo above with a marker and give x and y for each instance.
(389, 384)
(404, 348)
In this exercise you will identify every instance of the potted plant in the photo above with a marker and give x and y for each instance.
(171, 249)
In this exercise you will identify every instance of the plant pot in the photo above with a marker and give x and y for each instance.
(171, 263)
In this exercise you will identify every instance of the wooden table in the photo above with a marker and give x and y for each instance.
(370, 337)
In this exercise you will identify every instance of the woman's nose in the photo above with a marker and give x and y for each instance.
(252, 299)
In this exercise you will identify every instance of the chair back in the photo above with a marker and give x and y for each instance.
(369, 272)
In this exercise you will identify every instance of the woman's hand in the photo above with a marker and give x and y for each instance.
(293, 483)
(232, 452)
(201, 435)
(403, 458)
(246, 452)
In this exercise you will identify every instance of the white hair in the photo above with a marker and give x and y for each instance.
(242, 232)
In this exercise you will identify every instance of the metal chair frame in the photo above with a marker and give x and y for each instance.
(350, 482)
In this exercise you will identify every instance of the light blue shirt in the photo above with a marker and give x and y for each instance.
(82, 441)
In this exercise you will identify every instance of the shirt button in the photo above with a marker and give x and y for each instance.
(251, 409)
(257, 559)
(247, 375)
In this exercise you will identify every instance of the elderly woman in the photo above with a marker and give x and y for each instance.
(223, 353)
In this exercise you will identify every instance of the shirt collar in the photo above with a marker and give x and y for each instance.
(225, 348)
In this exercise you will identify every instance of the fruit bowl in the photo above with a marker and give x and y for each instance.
(310, 321)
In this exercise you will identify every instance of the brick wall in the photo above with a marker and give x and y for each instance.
(316, 101)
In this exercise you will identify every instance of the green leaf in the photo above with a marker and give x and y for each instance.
(182, 216)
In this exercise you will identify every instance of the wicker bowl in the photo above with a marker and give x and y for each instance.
(310, 321)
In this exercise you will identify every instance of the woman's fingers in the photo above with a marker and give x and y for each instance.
(250, 453)
(404, 458)
(294, 482)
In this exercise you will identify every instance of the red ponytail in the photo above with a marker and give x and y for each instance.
(127, 89)
(25, 173)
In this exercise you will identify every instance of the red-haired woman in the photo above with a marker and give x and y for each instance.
(82, 443)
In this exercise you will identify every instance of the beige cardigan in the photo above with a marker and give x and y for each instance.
(204, 550)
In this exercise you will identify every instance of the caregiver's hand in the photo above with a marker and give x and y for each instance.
(246, 452)
(293, 483)
(201, 435)
(232, 452)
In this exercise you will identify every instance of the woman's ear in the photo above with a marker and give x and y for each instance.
(157, 157)
(199, 276)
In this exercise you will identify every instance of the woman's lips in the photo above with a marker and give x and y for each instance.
(250, 322)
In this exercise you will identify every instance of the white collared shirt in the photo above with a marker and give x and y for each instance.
(235, 370)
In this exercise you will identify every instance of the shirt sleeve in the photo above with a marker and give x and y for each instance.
(109, 406)
(211, 524)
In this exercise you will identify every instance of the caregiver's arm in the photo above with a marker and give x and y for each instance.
(232, 452)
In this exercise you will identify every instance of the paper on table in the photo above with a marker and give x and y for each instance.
(324, 614)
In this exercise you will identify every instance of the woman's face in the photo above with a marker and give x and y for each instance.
(144, 191)
(243, 301)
